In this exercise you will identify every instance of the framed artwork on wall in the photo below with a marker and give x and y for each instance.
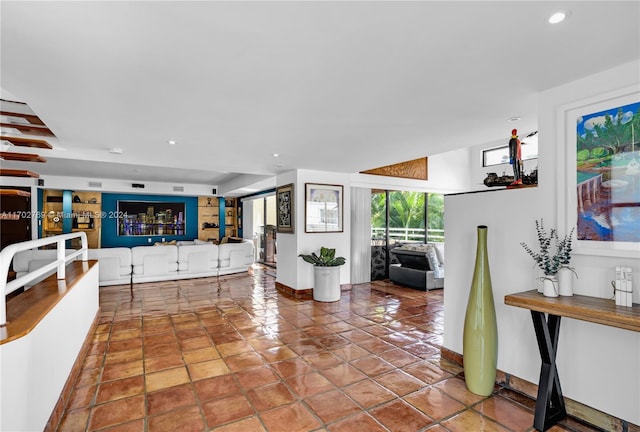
(599, 168)
(323, 208)
(285, 209)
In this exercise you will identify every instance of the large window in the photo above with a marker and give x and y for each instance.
(407, 220)
(399, 217)
(500, 155)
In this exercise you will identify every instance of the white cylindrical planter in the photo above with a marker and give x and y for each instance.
(565, 281)
(326, 282)
(550, 286)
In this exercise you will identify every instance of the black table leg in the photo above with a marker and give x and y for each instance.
(550, 407)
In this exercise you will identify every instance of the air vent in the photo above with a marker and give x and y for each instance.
(95, 184)
(178, 188)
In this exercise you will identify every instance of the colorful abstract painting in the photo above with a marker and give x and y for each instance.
(608, 175)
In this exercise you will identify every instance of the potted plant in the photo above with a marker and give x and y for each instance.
(552, 252)
(326, 274)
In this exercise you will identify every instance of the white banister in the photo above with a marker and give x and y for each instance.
(7, 254)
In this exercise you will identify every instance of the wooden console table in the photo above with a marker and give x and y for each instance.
(550, 406)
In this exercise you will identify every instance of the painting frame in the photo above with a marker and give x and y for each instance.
(568, 205)
(285, 209)
(324, 208)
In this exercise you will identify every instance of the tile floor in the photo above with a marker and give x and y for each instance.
(232, 354)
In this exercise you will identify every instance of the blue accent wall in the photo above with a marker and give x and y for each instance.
(110, 237)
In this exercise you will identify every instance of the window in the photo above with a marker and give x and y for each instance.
(405, 223)
(500, 155)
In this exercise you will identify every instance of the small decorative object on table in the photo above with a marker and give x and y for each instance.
(552, 252)
(623, 288)
(326, 274)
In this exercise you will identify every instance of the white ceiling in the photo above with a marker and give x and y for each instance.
(331, 86)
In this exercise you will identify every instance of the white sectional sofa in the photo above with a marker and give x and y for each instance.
(154, 263)
(115, 265)
(184, 260)
(200, 260)
(235, 257)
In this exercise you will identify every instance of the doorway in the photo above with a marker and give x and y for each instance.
(15, 223)
(264, 230)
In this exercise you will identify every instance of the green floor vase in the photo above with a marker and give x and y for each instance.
(480, 338)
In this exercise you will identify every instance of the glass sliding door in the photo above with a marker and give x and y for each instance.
(402, 217)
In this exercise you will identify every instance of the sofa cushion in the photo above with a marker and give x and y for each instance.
(29, 260)
(411, 258)
(198, 258)
(235, 255)
(440, 252)
(434, 263)
(115, 264)
(154, 260)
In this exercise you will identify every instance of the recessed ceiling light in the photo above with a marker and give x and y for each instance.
(276, 155)
(557, 17)
(172, 142)
(513, 119)
(116, 150)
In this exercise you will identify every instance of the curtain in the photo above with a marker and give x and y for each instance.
(360, 235)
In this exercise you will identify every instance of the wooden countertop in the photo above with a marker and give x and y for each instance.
(581, 307)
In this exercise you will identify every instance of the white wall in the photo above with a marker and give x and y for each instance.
(293, 271)
(598, 366)
(35, 367)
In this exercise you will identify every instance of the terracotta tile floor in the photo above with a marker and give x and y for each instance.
(231, 354)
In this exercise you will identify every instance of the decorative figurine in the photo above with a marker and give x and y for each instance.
(515, 157)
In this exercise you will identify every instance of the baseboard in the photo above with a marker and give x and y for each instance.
(302, 294)
(67, 391)
(575, 410)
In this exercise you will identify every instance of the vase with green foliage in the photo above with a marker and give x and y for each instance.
(552, 254)
(326, 274)
(566, 272)
(480, 337)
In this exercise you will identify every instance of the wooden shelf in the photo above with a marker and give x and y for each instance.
(31, 118)
(17, 173)
(29, 129)
(22, 157)
(14, 192)
(27, 142)
(580, 307)
(208, 212)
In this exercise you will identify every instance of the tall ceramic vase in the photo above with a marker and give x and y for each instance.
(480, 338)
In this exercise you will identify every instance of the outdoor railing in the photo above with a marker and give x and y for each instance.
(7, 254)
(409, 234)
